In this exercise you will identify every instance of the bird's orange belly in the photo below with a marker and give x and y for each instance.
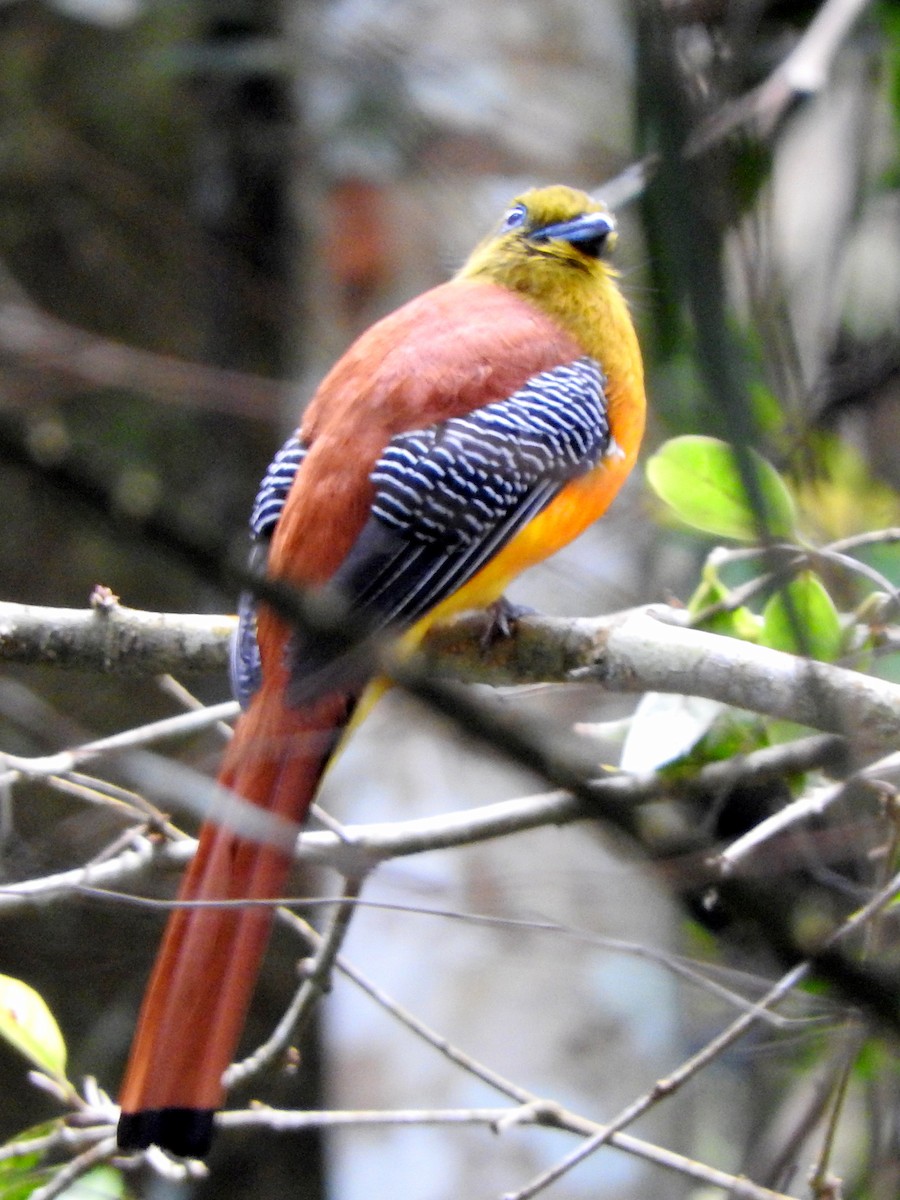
(576, 507)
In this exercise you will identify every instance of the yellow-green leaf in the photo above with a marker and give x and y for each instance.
(699, 478)
(801, 619)
(28, 1024)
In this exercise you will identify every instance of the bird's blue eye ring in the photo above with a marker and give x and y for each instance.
(515, 217)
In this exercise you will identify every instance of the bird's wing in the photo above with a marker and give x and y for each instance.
(245, 667)
(449, 497)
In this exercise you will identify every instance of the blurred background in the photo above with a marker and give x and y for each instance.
(201, 203)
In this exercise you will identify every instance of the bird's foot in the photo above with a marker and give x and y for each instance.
(500, 620)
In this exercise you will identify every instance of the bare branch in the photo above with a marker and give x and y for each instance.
(113, 872)
(812, 804)
(496, 1119)
(112, 638)
(803, 72)
(77, 1167)
(34, 339)
(306, 997)
(673, 1082)
(355, 849)
(61, 1139)
(66, 761)
(636, 651)
(651, 650)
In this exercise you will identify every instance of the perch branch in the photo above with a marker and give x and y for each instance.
(635, 651)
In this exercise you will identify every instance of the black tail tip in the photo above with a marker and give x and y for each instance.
(187, 1132)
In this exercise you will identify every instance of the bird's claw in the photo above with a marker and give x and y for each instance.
(500, 620)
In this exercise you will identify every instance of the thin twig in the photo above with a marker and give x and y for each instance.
(666, 1087)
(419, 1028)
(63, 1138)
(90, 789)
(282, 1121)
(855, 566)
(67, 1175)
(130, 739)
(307, 995)
(175, 688)
(820, 1177)
(530, 1107)
(129, 863)
(813, 804)
(356, 848)
(858, 541)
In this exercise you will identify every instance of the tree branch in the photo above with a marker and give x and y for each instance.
(359, 848)
(35, 340)
(635, 651)
(799, 75)
(108, 637)
(546, 1114)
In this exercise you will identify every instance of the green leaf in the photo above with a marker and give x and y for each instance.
(103, 1183)
(17, 1164)
(28, 1024)
(20, 1174)
(21, 1185)
(801, 619)
(738, 623)
(699, 478)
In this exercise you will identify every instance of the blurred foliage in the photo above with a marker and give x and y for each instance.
(22, 1173)
(142, 199)
(92, 216)
(784, 595)
(888, 14)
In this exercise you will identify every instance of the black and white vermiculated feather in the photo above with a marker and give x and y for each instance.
(447, 499)
(244, 667)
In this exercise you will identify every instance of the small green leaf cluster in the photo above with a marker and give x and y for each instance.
(710, 489)
(775, 588)
(28, 1025)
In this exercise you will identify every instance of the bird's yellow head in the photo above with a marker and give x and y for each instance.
(548, 237)
(551, 247)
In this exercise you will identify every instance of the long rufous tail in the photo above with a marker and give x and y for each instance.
(200, 989)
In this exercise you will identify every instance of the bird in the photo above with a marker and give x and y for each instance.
(461, 439)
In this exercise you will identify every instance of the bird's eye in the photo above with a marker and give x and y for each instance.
(515, 217)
